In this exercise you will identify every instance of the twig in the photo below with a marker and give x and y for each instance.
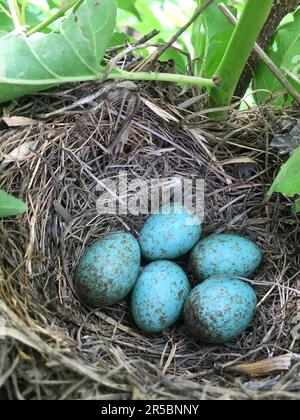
(146, 38)
(266, 367)
(264, 57)
(5, 11)
(53, 18)
(142, 40)
(182, 30)
(141, 43)
(292, 75)
(15, 13)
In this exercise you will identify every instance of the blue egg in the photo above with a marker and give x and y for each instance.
(159, 295)
(169, 236)
(108, 270)
(225, 254)
(220, 309)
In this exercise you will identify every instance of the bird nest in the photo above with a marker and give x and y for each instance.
(54, 149)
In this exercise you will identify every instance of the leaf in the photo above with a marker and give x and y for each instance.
(10, 206)
(266, 367)
(285, 52)
(53, 3)
(159, 111)
(33, 16)
(218, 31)
(32, 64)
(155, 16)
(23, 151)
(19, 121)
(180, 60)
(118, 38)
(6, 24)
(129, 6)
(241, 159)
(150, 21)
(296, 207)
(199, 41)
(288, 179)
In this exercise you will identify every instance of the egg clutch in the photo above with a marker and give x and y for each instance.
(216, 311)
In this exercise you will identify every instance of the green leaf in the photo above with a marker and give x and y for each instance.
(6, 24)
(199, 41)
(296, 207)
(53, 3)
(129, 6)
(149, 22)
(285, 52)
(180, 60)
(73, 54)
(10, 206)
(288, 179)
(33, 16)
(218, 31)
(118, 38)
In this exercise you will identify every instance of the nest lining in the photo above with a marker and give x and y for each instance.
(57, 347)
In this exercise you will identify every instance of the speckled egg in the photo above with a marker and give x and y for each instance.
(225, 254)
(169, 236)
(108, 270)
(159, 295)
(220, 309)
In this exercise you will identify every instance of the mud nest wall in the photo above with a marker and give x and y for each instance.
(56, 348)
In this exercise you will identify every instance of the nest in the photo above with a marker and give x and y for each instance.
(55, 348)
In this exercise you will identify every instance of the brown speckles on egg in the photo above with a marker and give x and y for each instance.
(220, 309)
(169, 236)
(108, 270)
(224, 254)
(159, 295)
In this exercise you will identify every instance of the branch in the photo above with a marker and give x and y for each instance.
(278, 12)
(15, 13)
(2, 8)
(265, 58)
(182, 30)
(55, 17)
(250, 24)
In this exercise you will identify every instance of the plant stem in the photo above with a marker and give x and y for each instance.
(294, 77)
(2, 8)
(200, 44)
(161, 77)
(251, 22)
(23, 11)
(198, 50)
(267, 60)
(15, 13)
(53, 18)
(116, 75)
(280, 9)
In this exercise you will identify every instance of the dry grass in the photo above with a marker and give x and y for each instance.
(56, 348)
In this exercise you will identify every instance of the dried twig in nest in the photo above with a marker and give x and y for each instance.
(56, 348)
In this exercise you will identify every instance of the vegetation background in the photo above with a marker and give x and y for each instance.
(55, 144)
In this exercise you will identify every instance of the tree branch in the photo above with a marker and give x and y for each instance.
(266, 59)
(279, 11)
